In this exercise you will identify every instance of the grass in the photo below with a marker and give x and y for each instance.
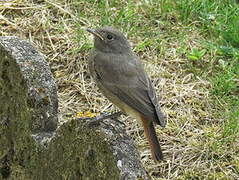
(190, 51)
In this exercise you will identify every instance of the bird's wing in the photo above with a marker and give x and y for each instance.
(126, 79)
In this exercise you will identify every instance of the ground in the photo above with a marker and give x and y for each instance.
(190, 51)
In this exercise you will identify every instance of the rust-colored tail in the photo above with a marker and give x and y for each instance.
(150, 134)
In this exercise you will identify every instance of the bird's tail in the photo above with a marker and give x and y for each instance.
(150, 134)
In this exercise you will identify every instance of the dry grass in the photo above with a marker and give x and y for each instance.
(188, 139)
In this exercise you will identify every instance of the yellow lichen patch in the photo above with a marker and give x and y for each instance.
(87, 114)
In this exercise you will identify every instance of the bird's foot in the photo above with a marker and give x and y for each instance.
(98, 119)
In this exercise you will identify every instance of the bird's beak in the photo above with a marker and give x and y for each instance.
(95, 33)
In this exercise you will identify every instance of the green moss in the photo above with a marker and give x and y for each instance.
(76, 153)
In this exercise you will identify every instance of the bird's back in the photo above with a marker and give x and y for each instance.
(122, 79)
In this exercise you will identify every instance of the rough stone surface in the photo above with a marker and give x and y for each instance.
(124, 150)
(30, 145)
(24, 69)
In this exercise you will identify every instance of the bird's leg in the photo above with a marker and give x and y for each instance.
(102, 117)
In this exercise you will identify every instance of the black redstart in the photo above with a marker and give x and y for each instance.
(121, 78)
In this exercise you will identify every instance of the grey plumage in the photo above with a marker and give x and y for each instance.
(121, 78)
(127, 81)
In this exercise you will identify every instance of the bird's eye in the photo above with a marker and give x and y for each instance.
(109, 37)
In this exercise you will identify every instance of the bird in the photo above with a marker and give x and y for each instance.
(120, 76)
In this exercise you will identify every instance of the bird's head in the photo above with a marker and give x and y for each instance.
(110, 40)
